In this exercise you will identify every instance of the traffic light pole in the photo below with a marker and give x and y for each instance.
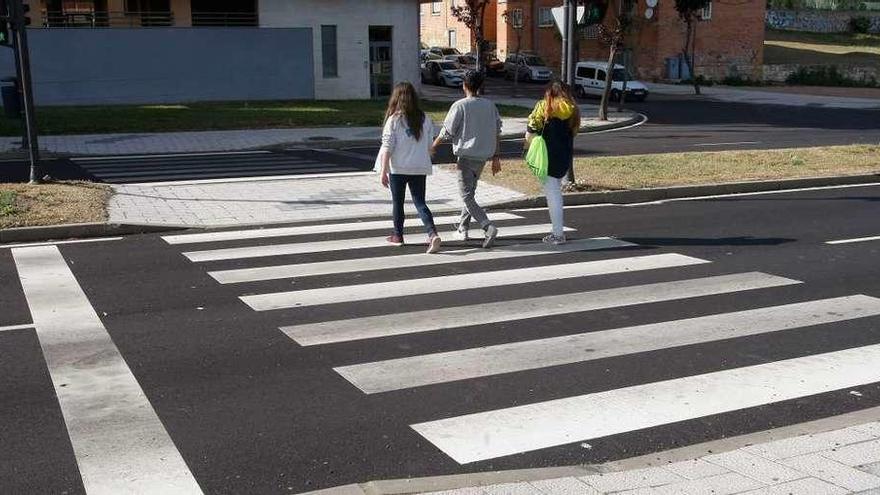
(571, 19)
(23, 62)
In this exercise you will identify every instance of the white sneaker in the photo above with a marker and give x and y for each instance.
(461, 234)
(491, 234)
(433, 244)
(554, 239)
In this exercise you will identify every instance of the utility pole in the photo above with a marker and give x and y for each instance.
(571, 19)
(14, 14)
(566, 11)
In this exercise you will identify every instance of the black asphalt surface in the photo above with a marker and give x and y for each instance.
(253, 412)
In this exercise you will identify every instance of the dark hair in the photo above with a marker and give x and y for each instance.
(559, 90)
(473, 80)
(405, 102)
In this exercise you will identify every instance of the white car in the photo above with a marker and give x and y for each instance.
(443, 72)
(530, 67)
(590, 81)
(466, 62)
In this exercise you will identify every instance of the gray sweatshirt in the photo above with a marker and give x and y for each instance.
(473, 124)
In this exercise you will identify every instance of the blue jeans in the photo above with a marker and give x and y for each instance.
(416, 183)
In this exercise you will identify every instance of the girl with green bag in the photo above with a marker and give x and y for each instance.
(553, 124)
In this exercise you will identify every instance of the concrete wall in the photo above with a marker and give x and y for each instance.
(352, 19)
(818, 21)
(167, 65)
(779, 72)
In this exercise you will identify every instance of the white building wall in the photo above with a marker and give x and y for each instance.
(353, 19)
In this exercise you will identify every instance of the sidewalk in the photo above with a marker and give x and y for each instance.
(253, 201)
(755, 96)
(832, 461)
(238, 140)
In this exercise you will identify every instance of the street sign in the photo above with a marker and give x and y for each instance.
(559, 16)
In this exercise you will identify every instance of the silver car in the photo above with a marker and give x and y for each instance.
(442, 72)
(530, 67)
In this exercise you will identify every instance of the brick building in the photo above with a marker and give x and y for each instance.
(730, 35)
(440, 28)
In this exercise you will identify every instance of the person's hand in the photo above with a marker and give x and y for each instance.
(383, 178)
(496, 165)
(434, 149)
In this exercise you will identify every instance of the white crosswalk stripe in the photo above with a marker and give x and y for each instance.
(409, 260)
(338, 245)
(324, 228)
(520, 309)
(507, 358)
(489, 434)
(434, 285)
(514, 430)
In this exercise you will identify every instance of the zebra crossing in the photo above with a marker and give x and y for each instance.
(265, 258)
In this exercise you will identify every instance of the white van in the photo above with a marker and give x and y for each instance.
(590, 80)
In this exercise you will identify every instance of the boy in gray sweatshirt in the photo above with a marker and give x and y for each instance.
(474, 126)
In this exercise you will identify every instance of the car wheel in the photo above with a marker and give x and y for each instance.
(527, 77)
(443, 82)
(580, 92)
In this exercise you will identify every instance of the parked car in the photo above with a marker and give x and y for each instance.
(443, 51)
(429, 55)
(442, 72)
(493, 66)
(466, 62)
(530, 67)
(590, 80)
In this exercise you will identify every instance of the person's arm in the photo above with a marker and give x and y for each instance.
(451, 127)
(388, 144)
(535, 122)
(496, 158)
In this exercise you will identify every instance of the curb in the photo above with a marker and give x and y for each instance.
(631, 196)
(80, 231)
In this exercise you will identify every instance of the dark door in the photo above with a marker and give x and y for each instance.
(381, 61)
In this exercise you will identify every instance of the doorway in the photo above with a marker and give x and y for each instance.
(381, 61)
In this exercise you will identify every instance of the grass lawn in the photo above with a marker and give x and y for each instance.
(791, 47)
(219, 116)
(24, 205)
(678, 169)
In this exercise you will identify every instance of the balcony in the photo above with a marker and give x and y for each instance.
(225, 19)
(98, 19)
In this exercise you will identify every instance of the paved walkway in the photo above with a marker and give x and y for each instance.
(253, 201)
(755, 96)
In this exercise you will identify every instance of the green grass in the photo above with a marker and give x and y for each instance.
(7, 203)
(218, 116)
(791, 47)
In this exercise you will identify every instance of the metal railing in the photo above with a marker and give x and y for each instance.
(98, 19)
(225, 19)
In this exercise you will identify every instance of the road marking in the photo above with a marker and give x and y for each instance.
(119, 442)
(326, 228)
(53, 243)
(170, 155)
(467, 281)
(492, 434)
(737, 143)
(17, 327)
(347, 154)
(263, 178)
(410, 260)
(858, 239)
(339, 245)
(418, 371)
(330, 332)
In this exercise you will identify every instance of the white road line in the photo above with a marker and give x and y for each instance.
(326, 228)
(341, 245)
(17, 327)
(119, 442)
(492, 434)
(858, 239)
(467, 281)
(330, 332)
(727, 144)
(409, 260)
(417, 371)
(263, 178)
(53, 243)
(171, 155)
(347, 154)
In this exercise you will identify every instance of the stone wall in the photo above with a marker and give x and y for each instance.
(778, 73)
(818, 21)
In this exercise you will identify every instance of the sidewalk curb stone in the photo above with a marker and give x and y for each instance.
(80, 231)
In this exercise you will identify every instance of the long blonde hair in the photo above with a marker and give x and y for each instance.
(559, 90)
(405, 101)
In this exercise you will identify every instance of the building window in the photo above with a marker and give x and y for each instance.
(435, 8)
(516, 18)
(452, 38)
(329, 59)
(224, 13)
(706, 13)
(590, 32)
(545, 17)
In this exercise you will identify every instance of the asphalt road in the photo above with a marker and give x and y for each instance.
(235, 405)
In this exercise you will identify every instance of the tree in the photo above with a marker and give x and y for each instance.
(515, 21)
(613, 34)
(472, 14)
(689, 11)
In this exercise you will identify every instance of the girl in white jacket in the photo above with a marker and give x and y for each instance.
(405, 160)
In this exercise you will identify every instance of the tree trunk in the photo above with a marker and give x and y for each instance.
(693, 61)
(603, 106)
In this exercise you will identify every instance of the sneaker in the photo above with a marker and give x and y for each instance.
(395, 240)
(491, 234)
(461, 234)
(433, 244)
(554, 239)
